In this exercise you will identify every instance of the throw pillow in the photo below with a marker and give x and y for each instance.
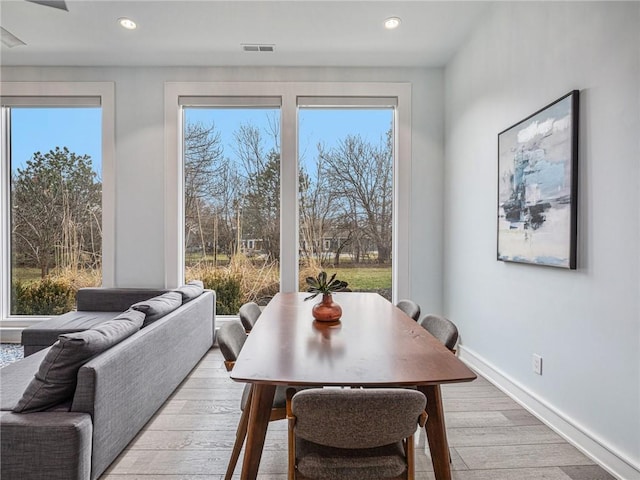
(55, 380)
(191, 290)
(158, 307)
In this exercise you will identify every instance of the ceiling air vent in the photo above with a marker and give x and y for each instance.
(254, 47)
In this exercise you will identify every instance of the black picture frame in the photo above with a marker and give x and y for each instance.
(538, 186)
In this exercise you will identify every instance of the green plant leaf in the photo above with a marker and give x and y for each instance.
(320, 284)
(314, 295)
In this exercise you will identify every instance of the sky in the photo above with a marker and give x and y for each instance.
(79, 129)
(316, 124)
(43, 129)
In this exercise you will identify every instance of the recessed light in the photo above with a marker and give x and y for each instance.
(392, 22)
(127, 23)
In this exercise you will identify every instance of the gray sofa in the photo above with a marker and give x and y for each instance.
(116, 394)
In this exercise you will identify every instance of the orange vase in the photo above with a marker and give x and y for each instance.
(327, 310)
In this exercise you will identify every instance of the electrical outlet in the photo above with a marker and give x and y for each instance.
(537, 364)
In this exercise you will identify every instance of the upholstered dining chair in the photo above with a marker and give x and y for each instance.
(411, 308)
(231, 337)
(353, 433)
(442, 328)
(249, 313)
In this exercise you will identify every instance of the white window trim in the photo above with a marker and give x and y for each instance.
(48, 91)
(289, 92)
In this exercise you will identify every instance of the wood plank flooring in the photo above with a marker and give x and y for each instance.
(491, 437)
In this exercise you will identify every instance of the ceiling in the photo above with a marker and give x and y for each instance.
(210, 32)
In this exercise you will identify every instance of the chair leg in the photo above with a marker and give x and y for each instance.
(410, 455)
(291, 441)
(241, 434)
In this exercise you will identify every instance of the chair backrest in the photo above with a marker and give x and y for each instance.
(442, 328)
(231, 337)
(356, 418)
(409, 307)
(249, 313)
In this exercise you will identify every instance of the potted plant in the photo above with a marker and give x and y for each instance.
(327, 310)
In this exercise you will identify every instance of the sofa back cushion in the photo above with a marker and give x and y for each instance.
(55, 380)
(157, 307)
(100, 299)
(191, 290)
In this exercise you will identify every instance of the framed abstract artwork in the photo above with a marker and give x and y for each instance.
(538, 186)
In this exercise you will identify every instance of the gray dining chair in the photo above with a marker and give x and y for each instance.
(231, 337)
(353, 433)
(411, 308)
(442, 328)
(249, 314)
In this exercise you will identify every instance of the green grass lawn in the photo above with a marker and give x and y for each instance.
(25, 274)
(195, 258)
(365, 278)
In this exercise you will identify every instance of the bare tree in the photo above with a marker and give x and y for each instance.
(203, 165)
(316, 210)
(225, 208)
(261, 195)
(362, 175)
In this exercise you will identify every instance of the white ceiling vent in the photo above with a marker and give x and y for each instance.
(255, 47)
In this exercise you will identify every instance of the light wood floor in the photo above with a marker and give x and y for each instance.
(491, 437)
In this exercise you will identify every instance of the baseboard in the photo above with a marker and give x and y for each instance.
(596, 449)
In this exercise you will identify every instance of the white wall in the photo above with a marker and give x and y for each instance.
(585, 323)
(140, 177)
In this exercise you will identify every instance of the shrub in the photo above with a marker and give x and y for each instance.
(79, 277)
(43, 297)
(228, 290)
(242, 280)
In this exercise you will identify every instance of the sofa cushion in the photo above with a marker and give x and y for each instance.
(15, 377)
(45, 333)
(158, 307)
(103, 299)
(55, 380)
(191, 290)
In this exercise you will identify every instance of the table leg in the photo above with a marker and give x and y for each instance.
(261, 405)
(436, 432)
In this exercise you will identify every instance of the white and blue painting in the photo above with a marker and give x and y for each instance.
(535, 165)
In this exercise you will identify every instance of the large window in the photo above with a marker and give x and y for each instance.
(277, 181)
(231, 171)
(55, 206)
(345, 157)
(53, 198)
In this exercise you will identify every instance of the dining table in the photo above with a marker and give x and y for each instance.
(374, 344)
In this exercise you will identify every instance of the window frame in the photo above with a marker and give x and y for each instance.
(289, 93)
(60, 94)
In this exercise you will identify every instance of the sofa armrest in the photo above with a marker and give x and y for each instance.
(45, 446)
(113, 299)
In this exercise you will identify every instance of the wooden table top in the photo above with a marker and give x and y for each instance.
(375, 343)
